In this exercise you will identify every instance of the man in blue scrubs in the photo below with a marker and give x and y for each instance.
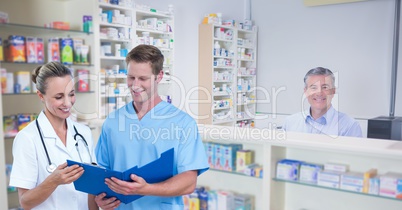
(141, 131)
(321, 117)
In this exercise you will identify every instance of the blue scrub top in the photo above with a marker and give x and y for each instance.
(126, 142)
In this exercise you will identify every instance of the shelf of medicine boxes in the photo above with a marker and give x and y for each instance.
(359, 154)
(246, 79)
(235, 181)
(37, 30)
(157, 29)
(334, 189)
(272, 145)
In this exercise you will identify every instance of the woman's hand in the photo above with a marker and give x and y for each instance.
(66, 174)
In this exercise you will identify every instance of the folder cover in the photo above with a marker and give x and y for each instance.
(93, 179)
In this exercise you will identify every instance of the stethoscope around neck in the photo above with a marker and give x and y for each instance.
(52, 166)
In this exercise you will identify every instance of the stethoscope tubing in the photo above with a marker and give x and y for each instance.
(51, 166)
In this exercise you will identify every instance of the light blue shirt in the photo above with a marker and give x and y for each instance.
(331, 123)
(126, 142)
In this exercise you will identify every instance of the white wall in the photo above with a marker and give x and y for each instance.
(354, 40)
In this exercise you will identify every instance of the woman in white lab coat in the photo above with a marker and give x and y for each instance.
(40, 150)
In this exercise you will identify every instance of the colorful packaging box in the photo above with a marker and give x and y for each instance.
(23, 79)
(243, 158)
(209, 148)
(10, 126)
(66, 50)
(1, 50)
(212, 200)
(40, 50)
(229, 156)
(83, 80)
(391, 185)
(23, 120)
(218, 156)
(77, 43)
(194, 201)
(30, 46)
(366, 179)
(3, 80)
(53, 52)
(16, 49)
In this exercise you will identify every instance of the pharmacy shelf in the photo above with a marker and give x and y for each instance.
(335, 189)
(38, 30)
(272, 145)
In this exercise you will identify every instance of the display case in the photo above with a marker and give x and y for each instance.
(270, 146)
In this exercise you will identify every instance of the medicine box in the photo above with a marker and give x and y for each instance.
(225, 200)
(391, 185)
(66, 50)
(329, 178)
(336, 167)
(30, 46)
(1, 50)
(352, 181)
(3, 80)
(374, 185)
(229, 156)
(10, 126)
(203, 197)
(209, 148)
(16, 49)
(83, 80)
(53, 52)
(288, 169)
(309, 171)
(23, 79)
(218, 156)
(40, 50)
(77, 43)
(212, 200)
(366, 179)
(243, 202)
(243, 158)
(23, 120)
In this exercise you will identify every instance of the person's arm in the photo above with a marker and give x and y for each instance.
(180, 184)
(354, 130)
(62, 175)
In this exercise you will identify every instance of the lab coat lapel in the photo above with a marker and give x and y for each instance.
(49, 135)
(70, 137)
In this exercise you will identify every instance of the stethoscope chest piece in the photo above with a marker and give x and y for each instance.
(51, 167)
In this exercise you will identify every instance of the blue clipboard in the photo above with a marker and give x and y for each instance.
(93, 179)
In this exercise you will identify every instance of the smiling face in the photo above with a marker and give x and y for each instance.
(142, 82)
(319, 91)
(59, 97)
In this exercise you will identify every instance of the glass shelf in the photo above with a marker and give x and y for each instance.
(235, 173)
(30, 29)
(38, 64)
(34, 94)
(334, 189)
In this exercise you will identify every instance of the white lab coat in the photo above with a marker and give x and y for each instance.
(30, 161)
